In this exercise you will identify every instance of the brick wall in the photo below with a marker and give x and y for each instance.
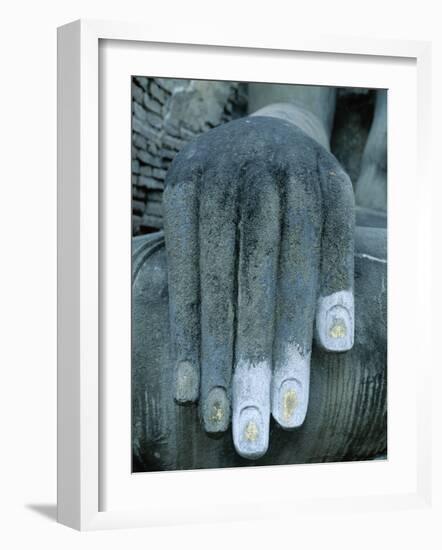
(167, 114)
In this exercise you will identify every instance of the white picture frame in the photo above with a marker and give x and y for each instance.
(85, 49)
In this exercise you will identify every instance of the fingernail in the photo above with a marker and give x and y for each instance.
(338, 328)
(251, 438)
(187, 382)
(290, 388)
(216, 411)
(251, 408)
(335, 321)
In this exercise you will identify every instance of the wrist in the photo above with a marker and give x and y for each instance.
(300, 117)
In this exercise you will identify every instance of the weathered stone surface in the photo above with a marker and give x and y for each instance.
(371, 187)
(139, 141)
(138, 207)
(187, 134)
(173, 142)
(146, 131)
(146, 170)
(150, 183)
(171, 127)
(154, 208)
(139, 112)
(152, 105)
(351, 122)
(353, 117)
(136, 221)
(137, 93)
(159, 173)
(139, 194)
(198, 104)
(161, 130)
(149, 158)
(347, 417)
(142, 81)
(155, 120)
(172, 84)
(155, 196)
(319, 100)
(304, 120)
(158, 93)
(135, 167)
(367, 217)
(167, 153)
(328, 173)
(296, 208)
(152, 221)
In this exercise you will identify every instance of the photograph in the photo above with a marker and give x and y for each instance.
(221, 276)
(259, 274)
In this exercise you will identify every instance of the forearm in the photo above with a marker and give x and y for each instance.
(300, 117)
(319, 101)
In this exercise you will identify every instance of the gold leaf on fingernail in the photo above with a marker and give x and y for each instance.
(217, 413)
(338, 329)
(251, 432)
(290, 402)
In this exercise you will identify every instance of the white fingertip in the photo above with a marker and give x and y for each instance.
(290, 388)
(251, 408)
(335, 321)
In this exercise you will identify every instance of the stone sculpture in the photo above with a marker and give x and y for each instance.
(259, 224)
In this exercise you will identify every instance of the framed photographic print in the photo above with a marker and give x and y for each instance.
(230, 345)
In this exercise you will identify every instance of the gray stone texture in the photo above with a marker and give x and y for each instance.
(223, 303)
(319, 100)
(371, 186)
(352, 121)
(188, 108)
(347, 418)
(244, 204)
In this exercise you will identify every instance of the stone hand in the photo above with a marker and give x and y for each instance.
(259, 224)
